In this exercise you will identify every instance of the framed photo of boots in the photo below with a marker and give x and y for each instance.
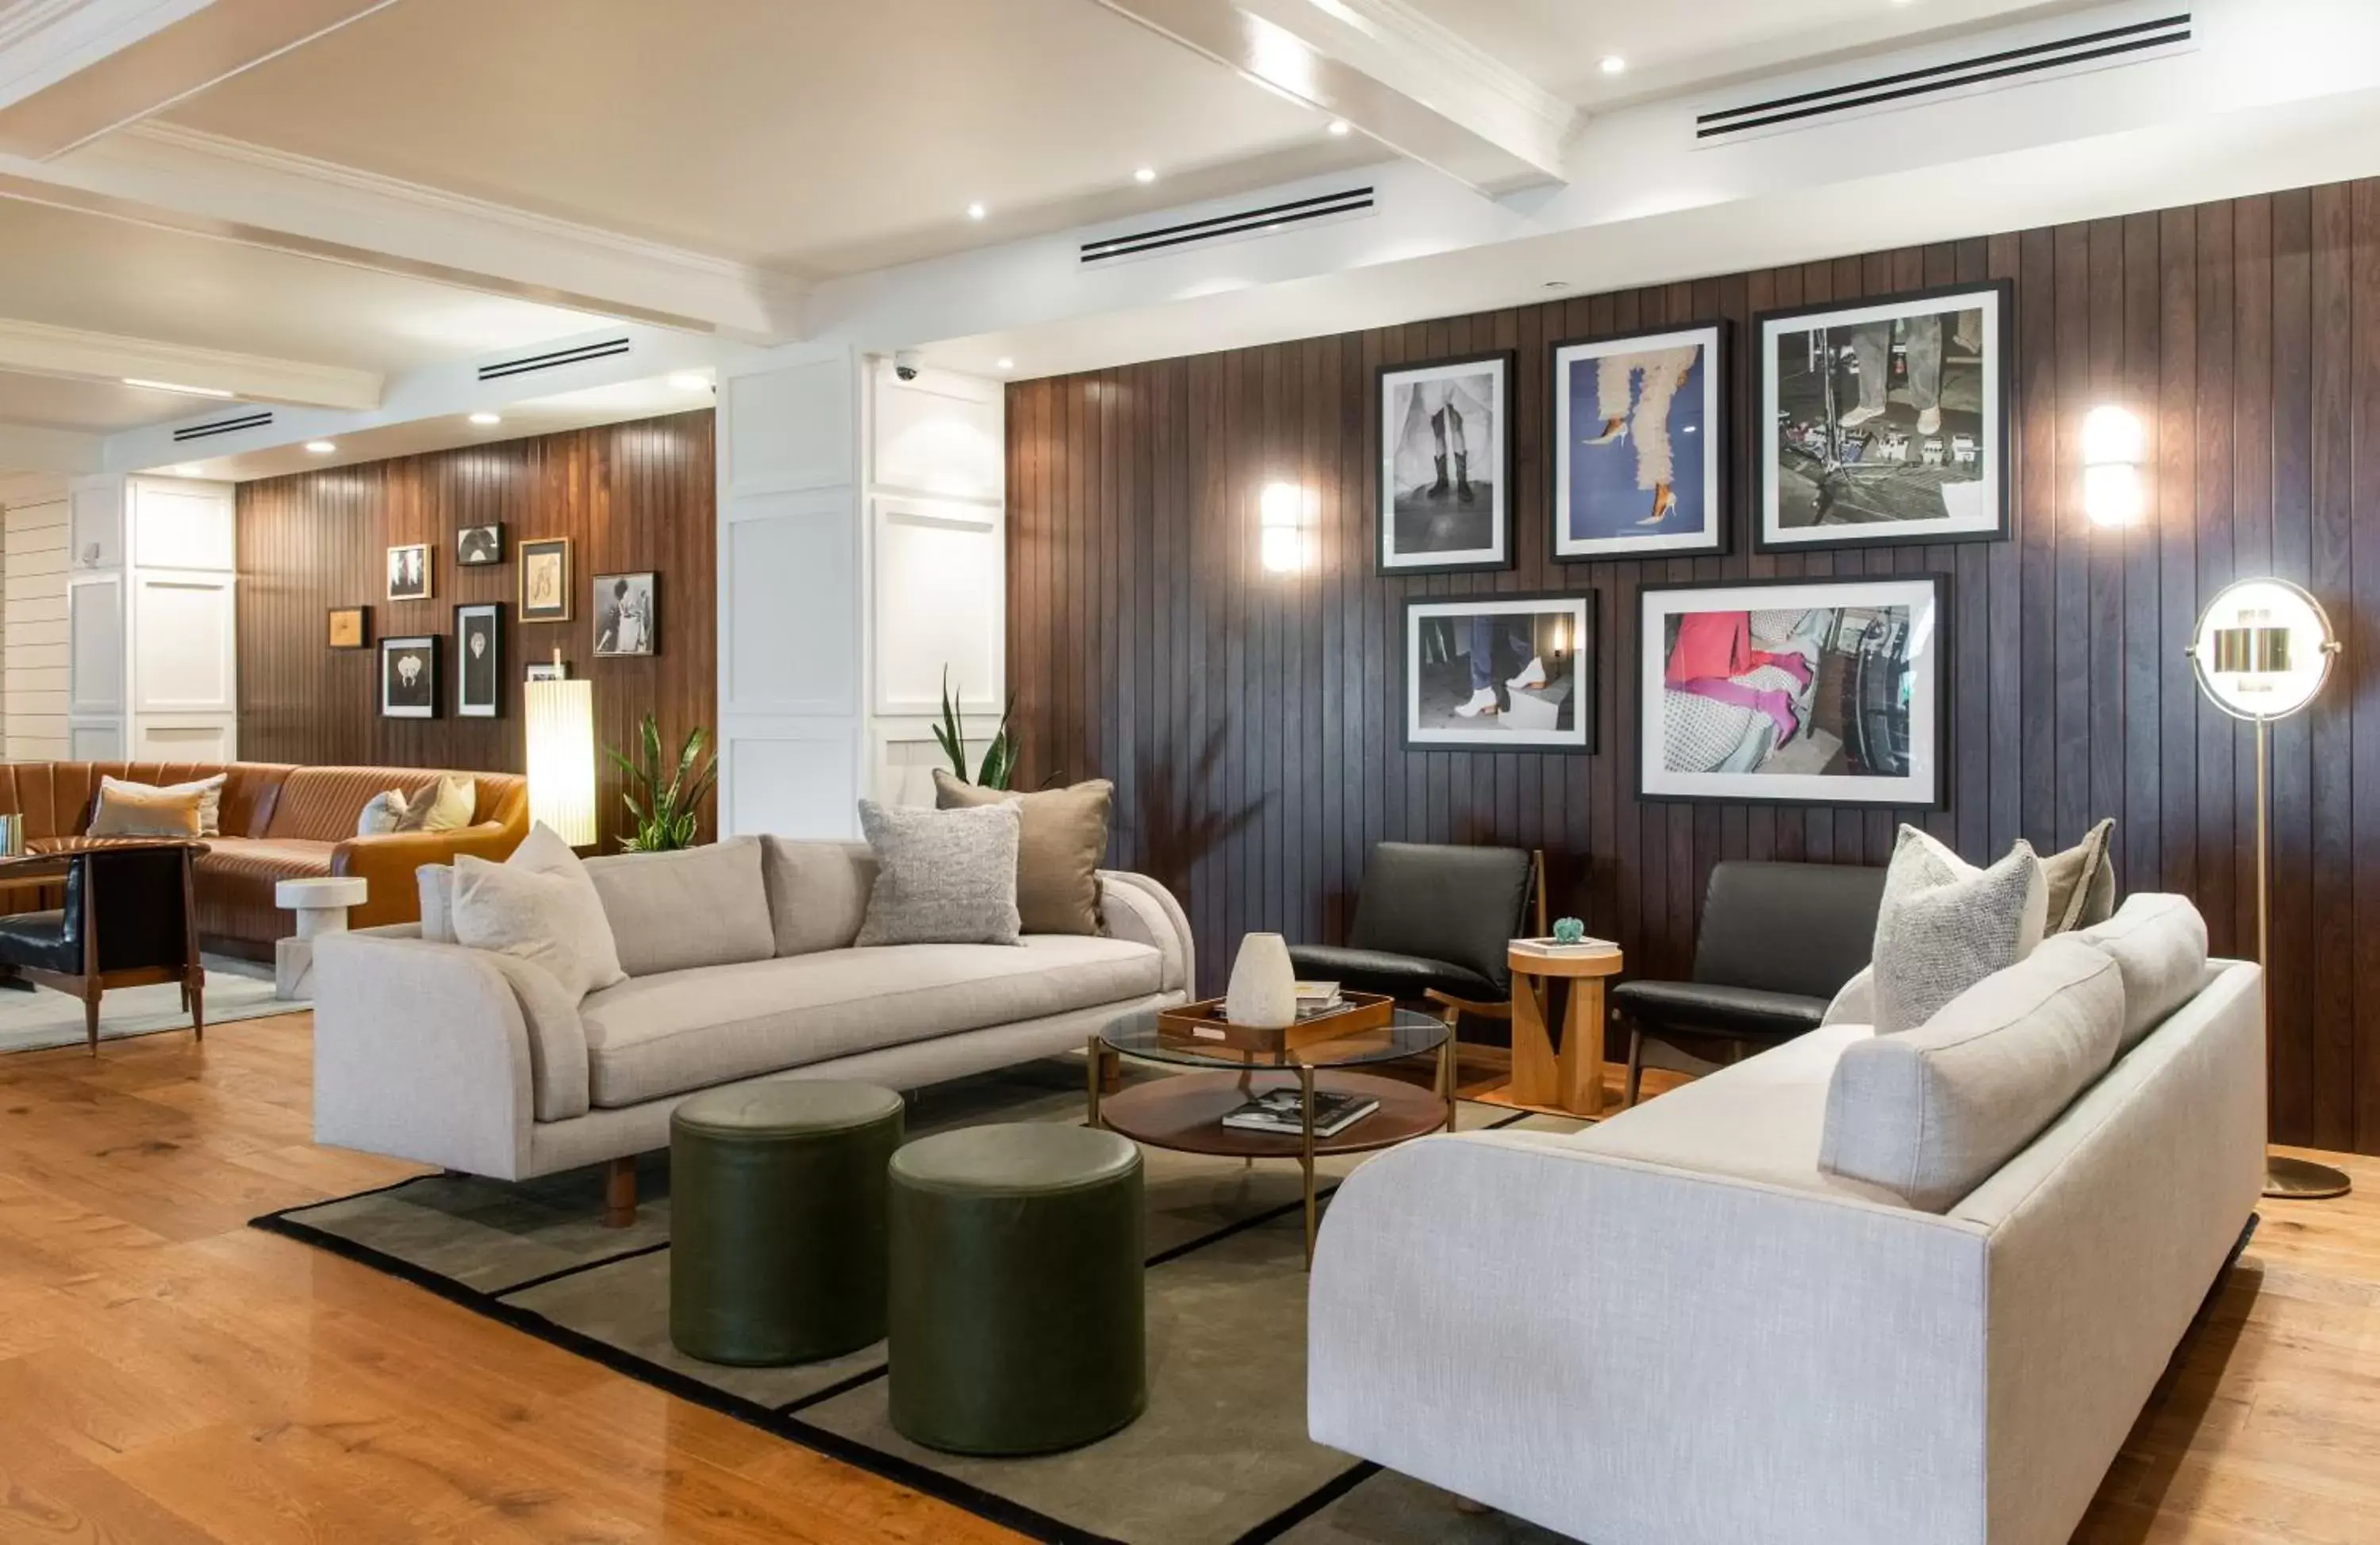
(1501, 672)
(1640, 457)
(1445, 465)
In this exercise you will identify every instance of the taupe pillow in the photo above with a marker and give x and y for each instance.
(1945, 924)
(445, 805)
(208, 790)
(1062, 839)
(2083, 881)
(2159, 945)
(139, 810)
(818, 892)
(943, 876)
(693, 907)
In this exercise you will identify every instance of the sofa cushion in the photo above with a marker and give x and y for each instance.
(818, 892)
(653, 1036)
(704, 906)
(943, 876)
(2159, 945)
(1931, 1113)
(1061, 837)
(1945, 925)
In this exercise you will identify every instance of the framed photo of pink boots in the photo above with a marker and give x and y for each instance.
(1640, 462)
(1794, 692)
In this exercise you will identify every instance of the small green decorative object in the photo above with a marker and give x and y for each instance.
(1569, 930)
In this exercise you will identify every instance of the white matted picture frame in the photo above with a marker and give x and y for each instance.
(410, 572)
(1445, 497)
(480, 660)
(1794, 692)
(408, 677)
(1640, 460)
(1501, 672)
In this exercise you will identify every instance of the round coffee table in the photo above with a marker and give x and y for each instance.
(1185, 1113)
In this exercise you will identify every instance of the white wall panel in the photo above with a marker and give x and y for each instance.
(939, 601)
(791, 428)
(941, 434)
(181, 526)
(791, 588)
(96, 539)
(183, 644)
(796, 780)
(95, 629)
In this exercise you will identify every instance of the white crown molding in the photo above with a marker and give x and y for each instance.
(39, 349)
(45, 41)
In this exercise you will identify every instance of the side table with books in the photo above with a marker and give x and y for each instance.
(1285, 1094)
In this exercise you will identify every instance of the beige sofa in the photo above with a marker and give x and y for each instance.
(741, 968)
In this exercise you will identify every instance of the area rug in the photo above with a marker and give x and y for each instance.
(1221, 1456)
(235, 990)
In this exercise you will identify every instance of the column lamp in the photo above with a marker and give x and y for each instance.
(2263, 649)
(562, 758)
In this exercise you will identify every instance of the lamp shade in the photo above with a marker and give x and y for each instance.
(2263, 648)
(562, 758)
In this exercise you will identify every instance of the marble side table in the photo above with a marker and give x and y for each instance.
(322, 907)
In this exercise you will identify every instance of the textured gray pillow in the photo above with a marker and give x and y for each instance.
(2159, 945)
(943, 876)
(1945, 924)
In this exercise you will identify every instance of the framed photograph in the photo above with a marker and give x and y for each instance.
(1500, 673)
(350, 627)
(545, 580)
(1886, 421)
(1640, 467)
(409, 573)
(548, 670)
(1794, 692)
(1446, 455)
(627, 615)
(409, 678)
(480, 660)
(477, 546)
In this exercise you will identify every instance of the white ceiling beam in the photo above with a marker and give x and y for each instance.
(1418, 87)
(36, 348)
(32, 449)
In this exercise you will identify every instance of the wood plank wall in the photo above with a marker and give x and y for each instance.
(630, 497)
(1250, 720)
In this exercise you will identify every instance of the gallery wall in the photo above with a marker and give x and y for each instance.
(630, 497)
(1251, 719)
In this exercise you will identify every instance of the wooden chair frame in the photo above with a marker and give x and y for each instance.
(89, 984)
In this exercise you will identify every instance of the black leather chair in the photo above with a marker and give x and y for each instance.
(1779, 941)
(128, 921)
(1433, 924)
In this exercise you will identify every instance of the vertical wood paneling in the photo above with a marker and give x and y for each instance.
(630, 497)
(1258, 714)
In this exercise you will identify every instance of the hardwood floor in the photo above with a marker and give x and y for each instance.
(169, 1375)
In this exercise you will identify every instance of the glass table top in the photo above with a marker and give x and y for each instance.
(1409, 1033)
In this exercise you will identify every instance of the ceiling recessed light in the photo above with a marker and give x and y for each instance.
(1146, 175)
(1612, 63)
(321, 447)
(176, 386)
(691, 380)
(1341, 126)
(977, 211)
(487, 418)
(1004, 362)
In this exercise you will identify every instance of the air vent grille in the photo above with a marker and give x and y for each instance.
(2097, 47)
(231, 425)
(554, 360)
(1259, 221)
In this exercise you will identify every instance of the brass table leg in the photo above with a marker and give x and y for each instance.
(1306, 1152)
(1447, 1068)
(1095, 1057)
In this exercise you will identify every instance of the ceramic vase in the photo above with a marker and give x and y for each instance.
(1263, 992)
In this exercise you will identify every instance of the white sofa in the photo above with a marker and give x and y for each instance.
(741, 968)
(1675, 1329)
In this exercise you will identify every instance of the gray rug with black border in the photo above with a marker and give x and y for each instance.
(1220, 1455)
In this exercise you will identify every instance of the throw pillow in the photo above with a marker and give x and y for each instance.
(943, 876)
(435, 882)
(382, 814)
(681, 910)
(139, 810)
(1945, 924)
(208, 790)
(445, 805)
(541, 905)
(2083, 880)
(2159, 945)
(1061, 837)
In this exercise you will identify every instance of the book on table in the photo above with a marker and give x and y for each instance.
(1276, 1111)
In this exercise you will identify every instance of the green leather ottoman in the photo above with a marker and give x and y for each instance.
(1016, 1319)
(777, 1240)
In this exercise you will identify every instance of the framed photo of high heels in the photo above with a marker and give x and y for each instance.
(1640, 457)
(1445, 500)
(1501, 672)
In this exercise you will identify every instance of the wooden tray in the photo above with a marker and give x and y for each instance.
(1203, 1024)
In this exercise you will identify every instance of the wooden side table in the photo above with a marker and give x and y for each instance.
(1571, 1080)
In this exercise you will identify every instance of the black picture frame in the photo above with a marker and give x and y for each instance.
(402, 582)
(479, 546)
(1997, 444)
(479, 682)
(1385, 378)
(1715, 436)
(361, 615)
(418, 698)
(650, 583)
(1650, 660)
(1582, 610)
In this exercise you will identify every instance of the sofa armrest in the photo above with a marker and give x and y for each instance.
(386, 865)
(1136, 908)
(1587, 1341)
(441, 1053)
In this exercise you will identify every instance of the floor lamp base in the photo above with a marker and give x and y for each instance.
(2303, 1179)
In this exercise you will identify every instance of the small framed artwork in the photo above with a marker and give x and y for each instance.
(1500, 673)
(1446, 455)
(350, 627)
(545, 580)
(409, 573)
(478, 547)
(1793, 692)
(480, 660)
(409, 678)
(627, 615)
(1640, 467)
(548, 670)
(1886, 421)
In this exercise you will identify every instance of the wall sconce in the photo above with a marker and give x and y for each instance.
(562, 757)
(2114, 446)
(1281, 521)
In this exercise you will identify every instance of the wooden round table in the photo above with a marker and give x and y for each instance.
(1570, 1079)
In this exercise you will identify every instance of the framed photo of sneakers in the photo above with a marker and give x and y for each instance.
(1446, 457)
(1640, 467)
(1886, 421)
(1794, 692)
(1499, 672)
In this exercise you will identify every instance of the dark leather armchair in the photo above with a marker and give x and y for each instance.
(1433, 923)
(1778, 941)
(129, 920)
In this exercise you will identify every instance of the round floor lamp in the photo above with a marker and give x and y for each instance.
(2263, 649)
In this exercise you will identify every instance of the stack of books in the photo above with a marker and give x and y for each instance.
(1276, 1111)
(1319, 997)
